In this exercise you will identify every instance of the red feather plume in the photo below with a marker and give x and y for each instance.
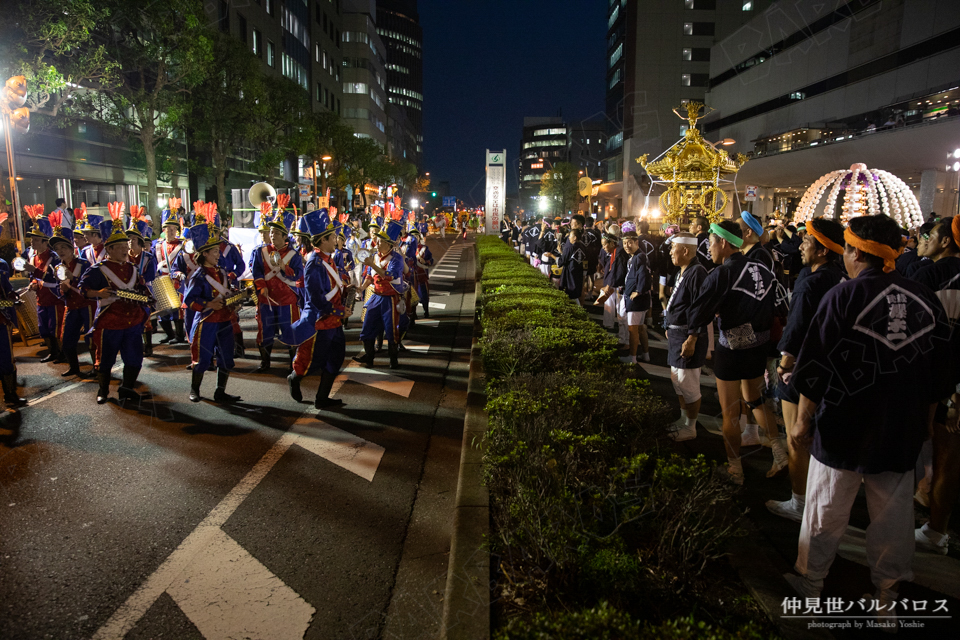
(116, 209)
(283, 200)
(80, 213)
(34, 210)
(3, 217)
(266, 209)
(56, 218)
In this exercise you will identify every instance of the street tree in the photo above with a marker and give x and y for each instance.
(559, 186)
(278, 128)
(164, 51)
(223, 108)
(52, 43)
(362, 163)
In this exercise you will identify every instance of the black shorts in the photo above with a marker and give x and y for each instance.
(739, 364)
(787, 392)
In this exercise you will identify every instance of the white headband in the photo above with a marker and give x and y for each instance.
(692, 241)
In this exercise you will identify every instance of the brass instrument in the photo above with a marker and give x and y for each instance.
(260, 193)
(19, 263)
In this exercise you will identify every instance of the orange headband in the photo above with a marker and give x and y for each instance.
(889, 254)
(824, 240)
(955, 228)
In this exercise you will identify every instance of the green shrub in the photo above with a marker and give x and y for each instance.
(605, 622)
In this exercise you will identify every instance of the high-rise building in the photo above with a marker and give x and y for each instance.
(364, 72)
(545, 142)
(398, 24)
(658, 57)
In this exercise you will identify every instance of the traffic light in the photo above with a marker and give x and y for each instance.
(434, 194)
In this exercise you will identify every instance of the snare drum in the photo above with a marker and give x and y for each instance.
(366, 296)
(165, 294)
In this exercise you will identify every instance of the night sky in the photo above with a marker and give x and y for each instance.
(489, 63)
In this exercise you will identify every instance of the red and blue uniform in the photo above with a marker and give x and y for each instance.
(49, 307)
(8, 319)
(76, 317)
(383, 307)
(212, 331)
(280, 308)
(322, 318)
(118, 323)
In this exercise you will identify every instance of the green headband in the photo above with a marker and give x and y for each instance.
(717, 230)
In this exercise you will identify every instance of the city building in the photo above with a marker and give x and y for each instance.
(364, 71)
(81, 163)
(659, 55)
(544, 142)
(808, 88)
(398, 24)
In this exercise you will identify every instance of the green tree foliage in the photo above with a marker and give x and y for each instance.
(559, 186)
(278, 124)
(164, 51)
(224, 107)
(53, 44)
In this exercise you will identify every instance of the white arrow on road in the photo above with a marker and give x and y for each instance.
(224, 591)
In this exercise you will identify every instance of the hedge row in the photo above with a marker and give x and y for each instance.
(588, 507)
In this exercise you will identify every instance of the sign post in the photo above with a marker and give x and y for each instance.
(496, 190)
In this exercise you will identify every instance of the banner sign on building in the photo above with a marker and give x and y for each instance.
(750, 195)
(496, 190)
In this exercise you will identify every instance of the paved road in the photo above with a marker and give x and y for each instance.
(179, 520)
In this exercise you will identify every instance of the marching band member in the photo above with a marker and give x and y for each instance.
(421, 277)
(276, 269)
(345, 262)
(8, 319)
(138, 234)
(185, 264)
(207, 290)
(42, 261)
(166, 250)
(95, 249)
(231, 261)
(319, 332)
(118, 323)
(76, 317)
(385, 308)
(79, 217)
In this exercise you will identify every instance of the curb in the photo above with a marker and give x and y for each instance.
(466, 599)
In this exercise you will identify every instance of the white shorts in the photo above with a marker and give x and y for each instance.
(686, 382)
(636, 318)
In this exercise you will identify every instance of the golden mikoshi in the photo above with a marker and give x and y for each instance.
(692, 170)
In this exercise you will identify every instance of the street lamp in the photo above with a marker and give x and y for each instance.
(326, 158)
(414, 203)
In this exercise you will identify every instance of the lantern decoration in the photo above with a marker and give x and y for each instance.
(692, 170)
(866, 192)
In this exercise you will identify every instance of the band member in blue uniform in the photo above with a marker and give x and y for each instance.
(421, 275)
(139, 237)
(207, 289)
(319, 332)
(872, 368)
(8, 320)
(742, 293)
(684, 372)
(77, 306)
(276, 269)
(40, 267)
(347, 266)
(183, 267)
(95, 251)
(118, 323)
(385, 308)
(942, 276)
(821, 252)
(166, 250)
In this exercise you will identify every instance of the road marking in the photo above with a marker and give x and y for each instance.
(69, 387)
(444, 276)
(428, 323)
(224, 590)
(438, 305)
(340, 447)
(373, 378)
(227, 593)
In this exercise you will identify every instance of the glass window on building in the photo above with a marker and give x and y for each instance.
(748, 5)
(271, 54)
(268, 6)
(257, 42)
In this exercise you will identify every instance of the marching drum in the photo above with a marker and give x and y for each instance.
(165, 294)
(366, 296)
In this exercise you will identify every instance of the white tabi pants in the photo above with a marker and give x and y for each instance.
(624, 333)
(830, 496)
(610, 311)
